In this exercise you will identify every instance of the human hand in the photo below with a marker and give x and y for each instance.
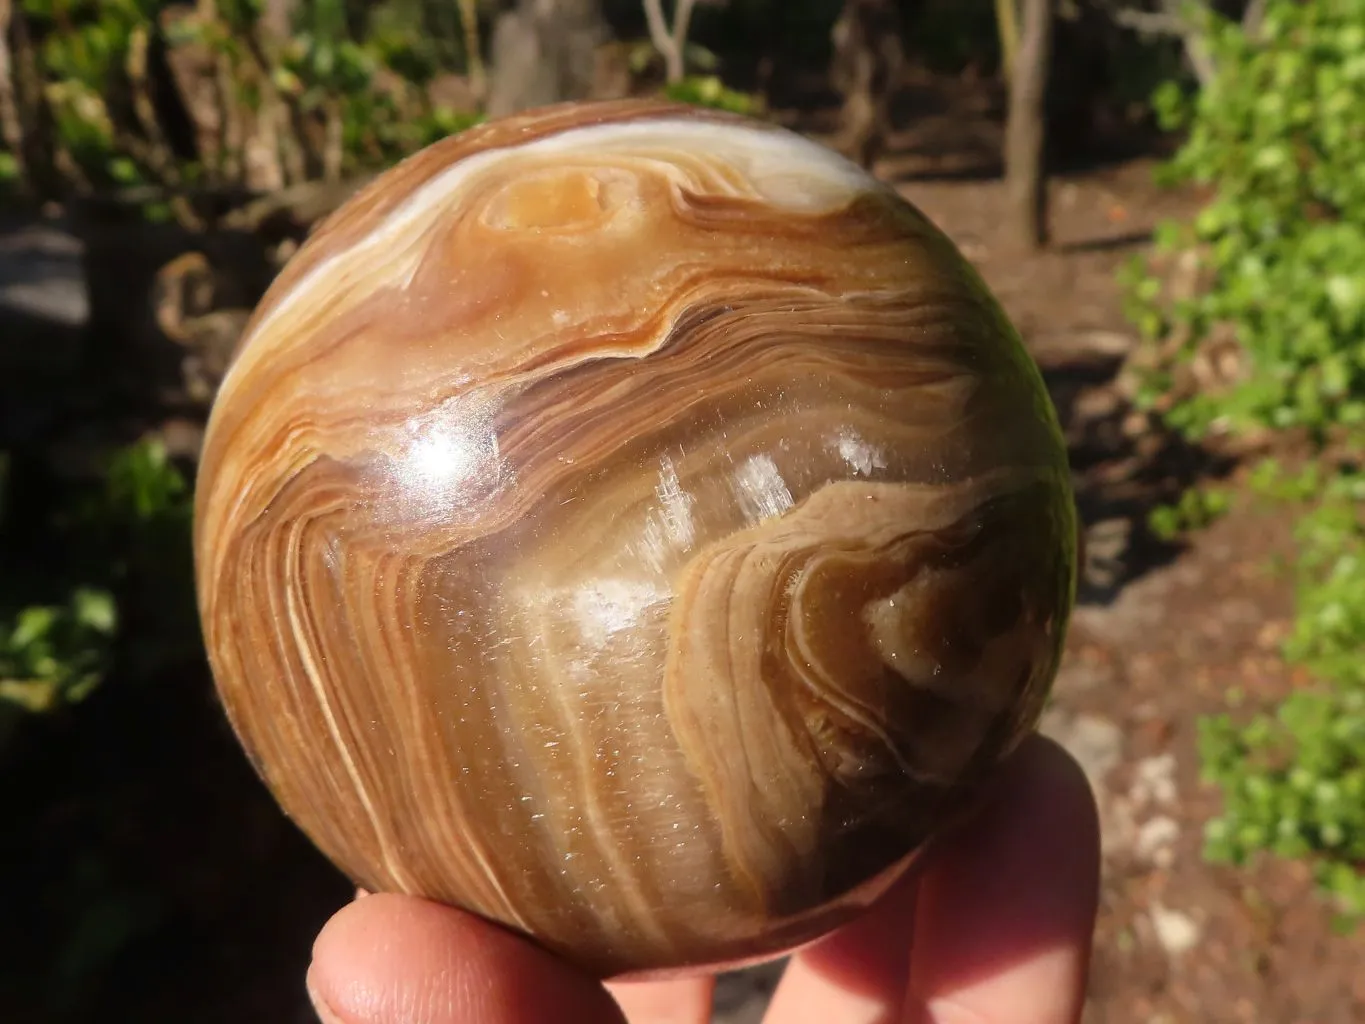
(994, 927)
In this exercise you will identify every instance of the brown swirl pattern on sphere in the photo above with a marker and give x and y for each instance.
(633, 524)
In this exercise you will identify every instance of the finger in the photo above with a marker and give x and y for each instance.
(389, 959)
(1007, 906)
(861, 972)
(681, 1001)
(856, 976)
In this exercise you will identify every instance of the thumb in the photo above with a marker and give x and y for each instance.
(389, 959)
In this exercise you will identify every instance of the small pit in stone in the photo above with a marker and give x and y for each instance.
(559, 199)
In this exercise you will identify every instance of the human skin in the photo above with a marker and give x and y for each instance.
(994, 928)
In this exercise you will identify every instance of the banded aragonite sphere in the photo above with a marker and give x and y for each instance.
(636, 525)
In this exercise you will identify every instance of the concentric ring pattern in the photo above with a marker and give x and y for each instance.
(634, 524)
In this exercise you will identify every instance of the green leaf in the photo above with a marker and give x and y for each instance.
(33, 625)
(95, 609)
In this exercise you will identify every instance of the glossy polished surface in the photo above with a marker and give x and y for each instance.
(633, 524)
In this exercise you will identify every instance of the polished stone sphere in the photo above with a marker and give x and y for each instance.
(636, 525)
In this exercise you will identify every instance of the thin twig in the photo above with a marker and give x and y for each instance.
(1152, 23)
(68, 169)
(473, 52)
(670, 42)
(155, 153)
(39, 138)
(280, 115)
(333, 152)
(1254, 17)
(1171, 21)
(1195, 36)
(682, 25)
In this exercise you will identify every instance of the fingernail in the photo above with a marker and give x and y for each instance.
(325, 1013)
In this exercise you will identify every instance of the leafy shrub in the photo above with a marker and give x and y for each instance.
(710, 91)
(1197, 508)
(340, 92)
(1294, 781)
(1255, 315)
(136, 523)
(51, 654)
(1280, 247)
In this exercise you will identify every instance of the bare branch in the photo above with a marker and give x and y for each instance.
(333, 146)
(69, 170)
(1173, 20)
(1151, 23)
(662, 38)
(867, 66)
(1195, 35)
(670, 42)
(158, 153)
(281, 120)
(1253, 17)
(682, 24)
(300, 205)
(469, 21)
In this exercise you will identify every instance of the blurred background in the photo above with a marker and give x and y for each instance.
(1168, 197)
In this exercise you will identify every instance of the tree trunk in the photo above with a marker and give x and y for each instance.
(11, 127)
(277, 18)
(868, 62)
(544, 51)
(1025, 180)
(38, 150)
(1007, 26)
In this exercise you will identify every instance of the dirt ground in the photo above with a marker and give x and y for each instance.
(1162, 635)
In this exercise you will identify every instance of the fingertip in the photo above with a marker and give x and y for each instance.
(859, 973)
(390, 959)
(1007, 906)
(675, 1001)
